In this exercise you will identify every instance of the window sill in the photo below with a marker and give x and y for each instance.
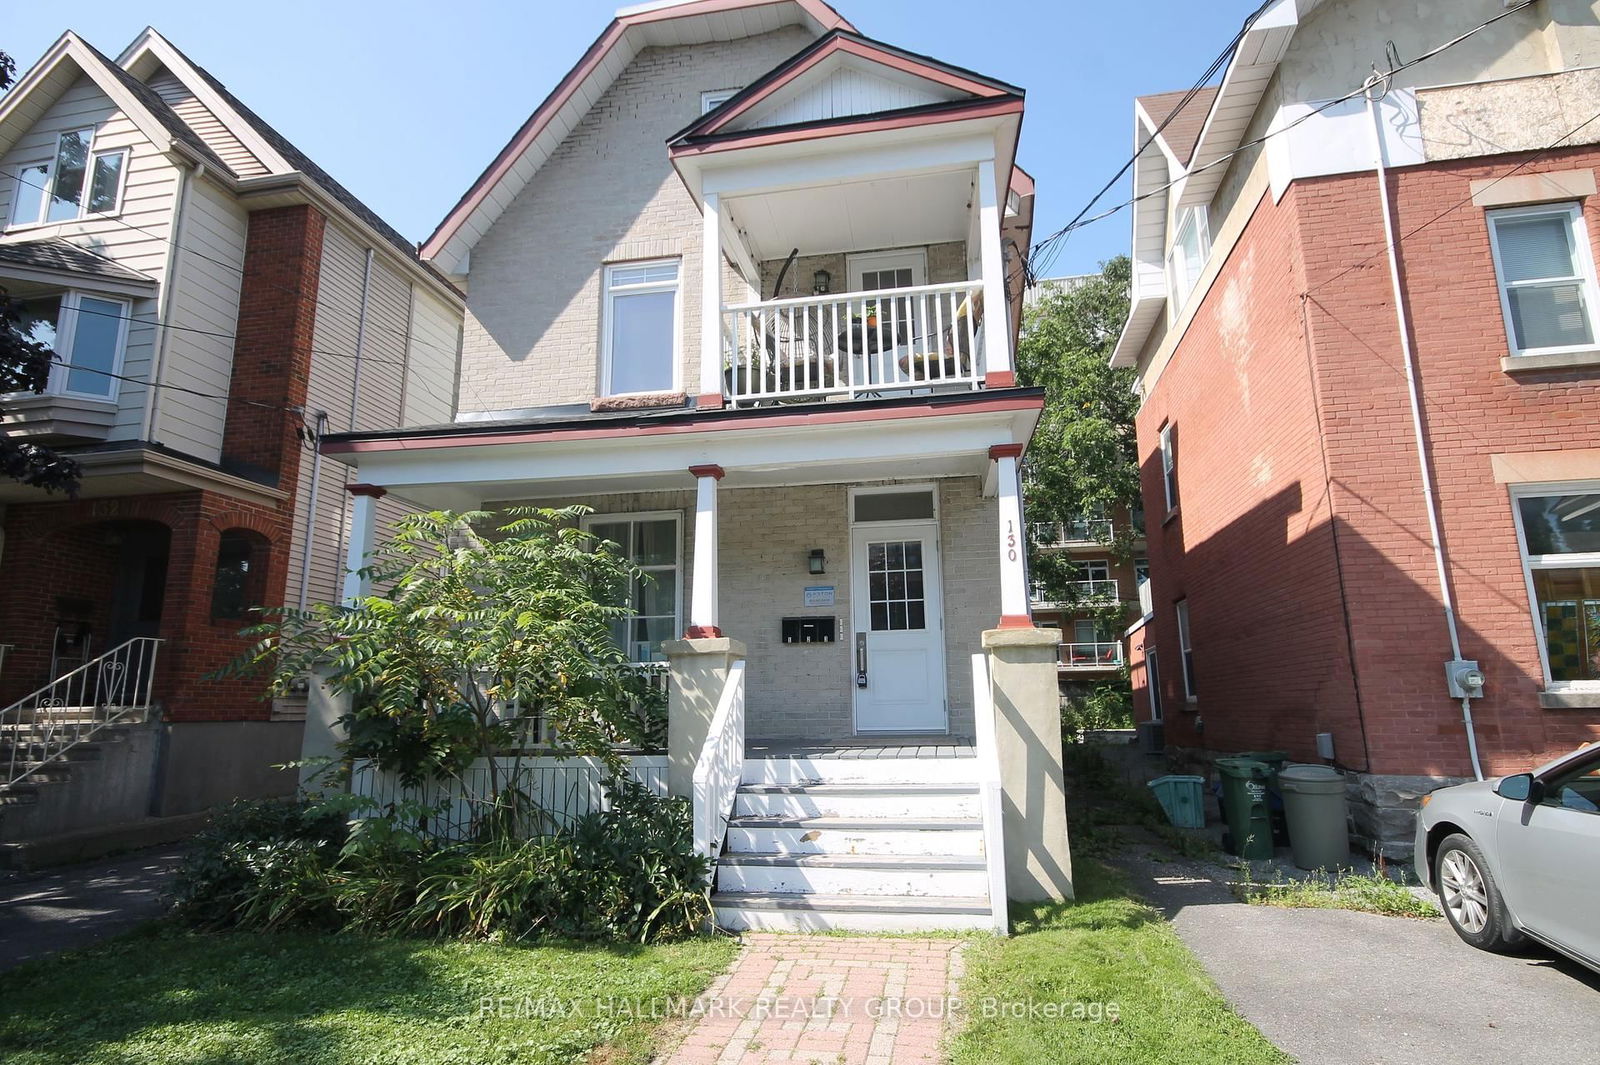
(1563, 360)
(639, 401)
(1172, 516)
(1569, 700)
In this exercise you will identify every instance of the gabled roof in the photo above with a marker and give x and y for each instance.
(935, 82)
(1183, 128)
(633, 28)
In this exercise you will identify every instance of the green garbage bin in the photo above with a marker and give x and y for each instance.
(1274, 761)
(1244, 806)
(1183, 800)
(1314, 803)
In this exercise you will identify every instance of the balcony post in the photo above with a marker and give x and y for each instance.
(996, 308)
(703, 592)
(363, 537)
(1014, 609)
(710, 302)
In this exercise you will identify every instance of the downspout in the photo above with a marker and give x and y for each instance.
(169, 282)
(320, 421)
(1429, 496)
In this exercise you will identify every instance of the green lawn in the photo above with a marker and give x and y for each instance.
(1106, 948)
(167, 997)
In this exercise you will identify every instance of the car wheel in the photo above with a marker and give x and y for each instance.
(1469, 896)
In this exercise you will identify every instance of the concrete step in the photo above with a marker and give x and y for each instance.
(759, 911)
(802, 769)
(958, 836)
(920, 876)
(857, 801)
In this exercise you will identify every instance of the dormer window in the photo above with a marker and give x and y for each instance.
(77, 183)
(1187, 258)
(710, 101)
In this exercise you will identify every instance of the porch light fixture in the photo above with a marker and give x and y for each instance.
(821, 283)
(816, 562)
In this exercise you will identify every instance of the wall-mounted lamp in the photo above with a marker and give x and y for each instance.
(816, 562)
(821, 283)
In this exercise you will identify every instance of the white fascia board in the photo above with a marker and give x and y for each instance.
(71, 47)
(1142, 316)
(505, 470)
(150, 41)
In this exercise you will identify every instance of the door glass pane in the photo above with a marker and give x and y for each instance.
(894, 569)
(72, 159)
(94, 347)
(642, 341)
(105, 181)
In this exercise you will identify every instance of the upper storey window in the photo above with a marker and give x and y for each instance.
(88, 335)
(641, 328)
(1188, 255)
(710, 101)
(1547, 279)
(78, 182)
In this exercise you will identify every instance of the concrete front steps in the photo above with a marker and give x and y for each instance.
(866, 844)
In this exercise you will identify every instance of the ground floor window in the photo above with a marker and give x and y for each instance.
(654, 542)
(1560, 540)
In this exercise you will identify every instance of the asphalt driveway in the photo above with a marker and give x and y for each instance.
(73, 906)
(1359, 989)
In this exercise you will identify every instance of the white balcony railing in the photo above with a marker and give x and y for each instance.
(1068, 533)
(1106, 655)
(854, 343)
(1098, 590)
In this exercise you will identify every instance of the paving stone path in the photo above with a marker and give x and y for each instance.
(827, 1000)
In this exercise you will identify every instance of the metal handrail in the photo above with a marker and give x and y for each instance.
(42, 726)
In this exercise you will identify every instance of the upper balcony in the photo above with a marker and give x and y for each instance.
(864, 198)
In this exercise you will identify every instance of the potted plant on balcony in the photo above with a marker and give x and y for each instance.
(870, 311)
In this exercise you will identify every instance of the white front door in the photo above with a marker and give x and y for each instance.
(897, 639)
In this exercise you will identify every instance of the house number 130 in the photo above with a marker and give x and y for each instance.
(1011, 542)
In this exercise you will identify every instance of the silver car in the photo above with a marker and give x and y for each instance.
(1519, 857)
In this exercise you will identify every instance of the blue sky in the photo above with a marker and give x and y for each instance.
(405, 104)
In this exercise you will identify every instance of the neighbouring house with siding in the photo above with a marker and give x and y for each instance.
(217, 302)
(747, 284)
(1365, 332)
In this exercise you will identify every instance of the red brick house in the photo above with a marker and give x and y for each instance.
(1347, 491)
(217, 302)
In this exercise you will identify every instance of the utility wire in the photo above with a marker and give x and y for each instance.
(1080, 220)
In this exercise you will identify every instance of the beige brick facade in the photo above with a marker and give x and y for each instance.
(607, 194)
(767, 533)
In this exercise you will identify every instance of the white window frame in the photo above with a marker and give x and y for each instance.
(1530, 563)
(712, 99)
(1152, 682)
(1141, 564)
(1169, 467)
(42, 215)
(1185, 648)
(635, 516)
(1178, 258)
(608, 295)
(1095, 569)
(66, 337)
(1579, 231)
(893, 489)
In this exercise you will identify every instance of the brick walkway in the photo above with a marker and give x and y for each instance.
(827, 1000)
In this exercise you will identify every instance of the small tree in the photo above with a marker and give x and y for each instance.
(472, 642)
(25, 367)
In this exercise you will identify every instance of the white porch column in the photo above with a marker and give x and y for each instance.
(363, 535)
(1014, 610)
(710, 301)
(996, 308)
(703, 595)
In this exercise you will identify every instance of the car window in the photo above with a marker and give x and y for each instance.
(1577, 788)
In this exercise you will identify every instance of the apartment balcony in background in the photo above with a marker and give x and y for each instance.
(1076, 533)
(1091, 657)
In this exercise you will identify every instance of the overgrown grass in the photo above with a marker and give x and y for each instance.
(1101, 805)
(1342, 889)
(1105, 956)
(167, 997)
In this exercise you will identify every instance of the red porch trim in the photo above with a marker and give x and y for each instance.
(709, 401)
(709, 470)
(702, 632)
(1000, 379)
(375, 491)
(717, 423)
(1005, 451)
(1015, 621)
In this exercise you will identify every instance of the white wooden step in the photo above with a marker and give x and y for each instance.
(833, 770)
(958, 836)
(857, 801)
(853, 874)
(754, 911)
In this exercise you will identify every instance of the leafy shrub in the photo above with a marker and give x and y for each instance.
(1105, 706)
(628, 872)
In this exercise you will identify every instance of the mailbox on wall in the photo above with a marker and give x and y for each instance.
(810, 630)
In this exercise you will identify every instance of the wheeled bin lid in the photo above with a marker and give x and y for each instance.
(1311, 780)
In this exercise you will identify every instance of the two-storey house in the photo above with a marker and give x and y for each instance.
(216, 303)
(747, 283)
(1364, 322)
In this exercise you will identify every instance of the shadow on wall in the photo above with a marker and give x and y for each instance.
(1272, 650)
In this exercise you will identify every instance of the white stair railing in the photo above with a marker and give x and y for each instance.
(720, 766)
(991, 793)
(40, 728)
